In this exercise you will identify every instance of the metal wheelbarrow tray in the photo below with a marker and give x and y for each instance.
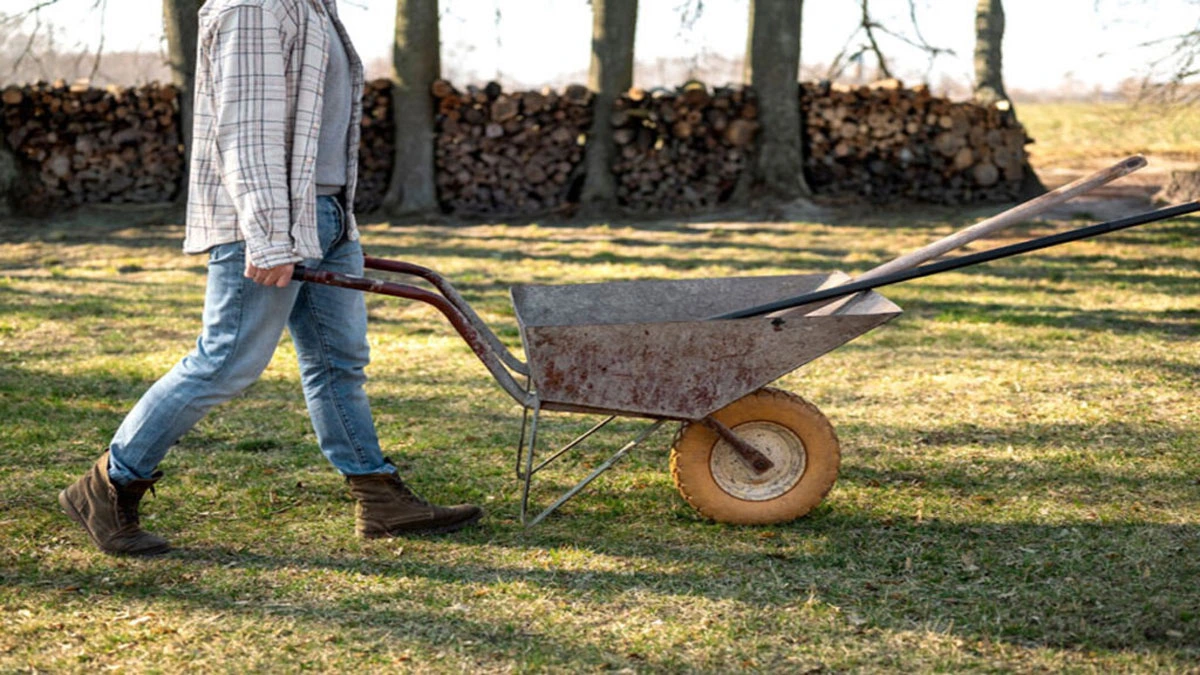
(650, 348)
(703, 352)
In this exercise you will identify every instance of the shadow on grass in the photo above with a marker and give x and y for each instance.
(1171, 275)
(1069, 584)
(1072, 585)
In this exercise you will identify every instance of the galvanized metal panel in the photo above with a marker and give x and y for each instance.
(643, 348)
(657, 301)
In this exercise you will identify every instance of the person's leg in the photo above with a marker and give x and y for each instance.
(243, 322)
(242, 325)
(329, 328)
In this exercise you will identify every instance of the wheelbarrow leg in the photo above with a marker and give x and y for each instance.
(527, 478)
(608, 463)
(566, 448)
(527, 448)
(533, 403)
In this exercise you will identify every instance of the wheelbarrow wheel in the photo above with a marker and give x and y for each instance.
(790, 431)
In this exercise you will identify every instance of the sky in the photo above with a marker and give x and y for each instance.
(1048, 43)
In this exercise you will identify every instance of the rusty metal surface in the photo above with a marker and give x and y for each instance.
(643, 348)
(448, 291)
(473, 334)
(752, 456)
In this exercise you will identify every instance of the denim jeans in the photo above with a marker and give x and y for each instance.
(243, 322)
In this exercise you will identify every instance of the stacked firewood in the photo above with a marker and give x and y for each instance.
(884, 141)
(509, 153)
(502, 153)
(80, 144)
(376, 149)
(681, 150)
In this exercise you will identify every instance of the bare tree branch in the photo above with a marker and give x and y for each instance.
(496, 20)
(1179, 66)
(38, 7)
(1172, 67)
(103, 6)
(868, 30)
(35, 12)
(868, 26)
(843, 58)
(920, 43)
(689, 13)
(27, 51)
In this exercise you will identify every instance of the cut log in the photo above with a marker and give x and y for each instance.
(1183, 186)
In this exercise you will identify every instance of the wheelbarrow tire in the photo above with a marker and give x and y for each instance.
(791, 431)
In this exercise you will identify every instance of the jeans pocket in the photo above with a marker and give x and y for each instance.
(227, 253)
(331, 223)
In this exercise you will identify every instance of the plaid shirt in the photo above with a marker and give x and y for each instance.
(260, 79)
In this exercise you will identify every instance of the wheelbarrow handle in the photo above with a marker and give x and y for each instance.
(962, 261)
(448, 290)
(472, 334)
(1019, 213)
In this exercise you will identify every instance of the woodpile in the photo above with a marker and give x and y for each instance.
(376, 149)
(884, 142)
(500, 153)
(681, 150)
(78, 144)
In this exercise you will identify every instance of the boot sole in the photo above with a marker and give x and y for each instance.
(74, 515)
(444, 529)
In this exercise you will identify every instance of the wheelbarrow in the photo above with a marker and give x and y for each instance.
(703, 352)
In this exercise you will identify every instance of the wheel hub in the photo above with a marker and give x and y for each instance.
(778, 443)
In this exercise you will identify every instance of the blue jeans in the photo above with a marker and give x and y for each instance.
(243, 322)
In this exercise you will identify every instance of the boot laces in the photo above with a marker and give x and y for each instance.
(127, 506)
(406, 493)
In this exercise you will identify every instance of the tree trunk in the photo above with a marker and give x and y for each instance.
(614, 24)
(8, 179)
(416, 65)
(180, 25)
(772, 70)
(989, 77)
(989, 34)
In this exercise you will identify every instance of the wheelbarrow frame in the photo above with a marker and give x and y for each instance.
(500, 362)
(831, 310)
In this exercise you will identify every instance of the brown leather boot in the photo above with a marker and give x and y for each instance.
(388, 508)
(109, 512)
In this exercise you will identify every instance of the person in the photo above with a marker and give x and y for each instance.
(272, 182)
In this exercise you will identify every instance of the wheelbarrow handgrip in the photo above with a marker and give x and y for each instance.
(1019, 213)
(469, 333)
(447, 289)
(965, 261)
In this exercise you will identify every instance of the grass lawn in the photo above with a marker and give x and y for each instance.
(1067, 134)
(1020, 487)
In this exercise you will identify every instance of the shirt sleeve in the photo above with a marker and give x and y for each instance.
(250, 90)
